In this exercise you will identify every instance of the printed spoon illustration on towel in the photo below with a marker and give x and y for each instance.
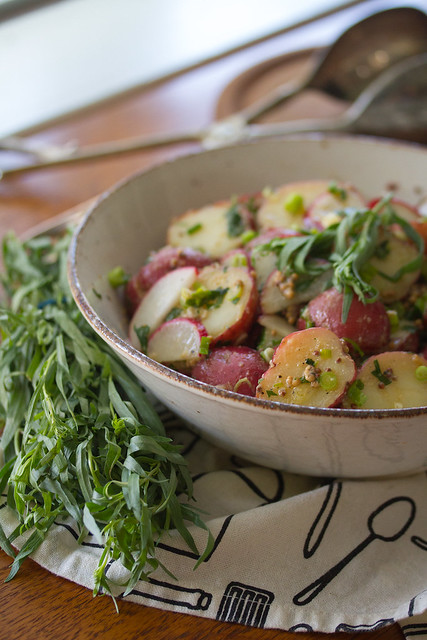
(403, 518)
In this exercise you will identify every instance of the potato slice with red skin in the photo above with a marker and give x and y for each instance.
(234, 368)
(404, 340)
(229, 319)
(177, 341)
(159, 264)
(311, 368)
(367, 325)
(211, 229)
(324, 210)
(158, 302)
(274, 212)
(407, 386)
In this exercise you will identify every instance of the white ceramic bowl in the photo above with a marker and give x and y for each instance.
(131, 219)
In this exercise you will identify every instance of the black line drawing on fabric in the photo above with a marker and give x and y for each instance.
(379, 624)
(245, 604)
(193, 599)
(419, 542)
(280, 485)
(75, 535)
(191, 554)
(403, 518)
(323, 518)
(414, 629)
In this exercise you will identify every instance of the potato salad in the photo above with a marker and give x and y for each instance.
(310, 293)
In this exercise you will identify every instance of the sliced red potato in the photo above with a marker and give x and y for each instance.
(404, 340)
(159, 264)
(214, 229)
(309, 367)
(177, 342)
(231, 302)
(390, 380)
(395, 254)
(287, 205)
(234, 368)
(325, 209)
(279, 292)
(159, 301)
(367, 325)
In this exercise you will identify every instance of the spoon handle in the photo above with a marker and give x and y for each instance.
(312, 590)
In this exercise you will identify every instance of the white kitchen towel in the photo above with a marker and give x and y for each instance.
(291, 552)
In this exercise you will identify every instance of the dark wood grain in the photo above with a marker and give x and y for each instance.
(37, 604)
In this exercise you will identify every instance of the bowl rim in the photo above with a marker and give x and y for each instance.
(160, 370)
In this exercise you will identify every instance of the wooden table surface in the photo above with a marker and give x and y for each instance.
(36, 604)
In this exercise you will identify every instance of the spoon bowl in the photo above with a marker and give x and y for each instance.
(358, 56)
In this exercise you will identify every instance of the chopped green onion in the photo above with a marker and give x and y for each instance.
(248, 236)
(328, 380)
(294, 203)
(421, 373)
(117, 277)
(325, 353)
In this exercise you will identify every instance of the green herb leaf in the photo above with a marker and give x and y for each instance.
(382, 377)
(80, 437)
(235, 223)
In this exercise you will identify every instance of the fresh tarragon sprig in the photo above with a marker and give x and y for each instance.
(80, 439)
(343, 249)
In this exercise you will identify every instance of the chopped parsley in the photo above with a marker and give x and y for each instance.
(355, 393)
(205, 342)
(194, 229)
(203, 297)
(337, 191)
(383, 377)
(235, 223)
(142, 333)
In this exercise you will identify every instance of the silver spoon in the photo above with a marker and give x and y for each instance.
(342, 70)
(396, 99)
(359, 55)
(395, 103)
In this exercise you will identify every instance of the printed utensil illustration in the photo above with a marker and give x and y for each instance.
(346, 69)
(401, 522)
